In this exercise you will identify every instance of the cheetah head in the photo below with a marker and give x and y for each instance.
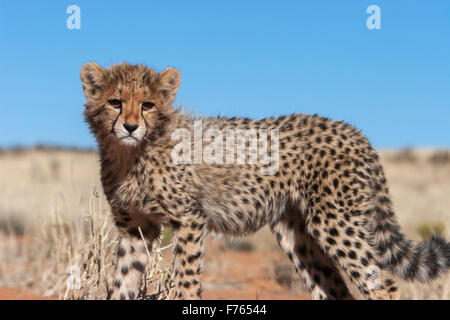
(128, 105)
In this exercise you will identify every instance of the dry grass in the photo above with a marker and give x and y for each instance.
(56, 233)
(54, 222)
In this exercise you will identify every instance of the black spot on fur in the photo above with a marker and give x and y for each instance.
(120, 251)
(138, 266)
(124, 270)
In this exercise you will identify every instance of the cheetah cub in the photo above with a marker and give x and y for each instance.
(328, 203)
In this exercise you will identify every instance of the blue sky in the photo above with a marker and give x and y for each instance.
(237, 58)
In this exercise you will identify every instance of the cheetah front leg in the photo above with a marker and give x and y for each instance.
(189, 250)
(132, 260)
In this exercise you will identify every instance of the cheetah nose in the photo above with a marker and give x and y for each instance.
(130, 127)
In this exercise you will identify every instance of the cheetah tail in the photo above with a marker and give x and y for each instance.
(410, 260)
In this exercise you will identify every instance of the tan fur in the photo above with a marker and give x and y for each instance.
(318, 204)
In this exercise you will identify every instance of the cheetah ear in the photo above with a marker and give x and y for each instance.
(93, 78)
(169, 82)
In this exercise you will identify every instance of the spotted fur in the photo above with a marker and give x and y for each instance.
(328, 204)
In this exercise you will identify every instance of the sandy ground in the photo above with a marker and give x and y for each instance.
(250, 276)
(20, 294)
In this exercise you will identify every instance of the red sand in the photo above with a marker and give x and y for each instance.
(20, 294)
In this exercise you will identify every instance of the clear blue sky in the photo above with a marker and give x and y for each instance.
(237, 58)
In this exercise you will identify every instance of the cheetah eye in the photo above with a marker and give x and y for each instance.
(115, 103)
(146, 106)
